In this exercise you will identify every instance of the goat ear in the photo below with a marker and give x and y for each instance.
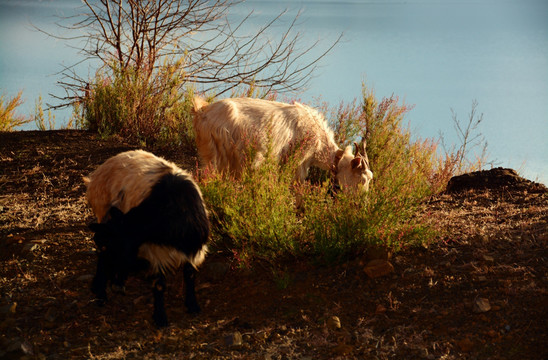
(356, 163)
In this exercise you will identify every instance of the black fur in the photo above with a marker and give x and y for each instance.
(173, 215)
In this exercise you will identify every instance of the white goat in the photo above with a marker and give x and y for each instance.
(226, 128)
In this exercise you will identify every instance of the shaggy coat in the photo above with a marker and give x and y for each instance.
(227, 129)
(151, 213)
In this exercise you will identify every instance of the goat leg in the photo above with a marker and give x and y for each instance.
(158, 289)
(99, 283)
(189, 275)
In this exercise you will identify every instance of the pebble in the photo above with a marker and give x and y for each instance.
(51, 314)
(234, 339)
(19, 349)
(481, 305)
(30, 247)
(333, 323)
(465, 345)
(85, 277)
(9, 308)
(378, 268)
(342, 349)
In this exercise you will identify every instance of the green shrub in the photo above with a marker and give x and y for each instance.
(256, 217)
(8, 119)
(152, 109)
(406, 171)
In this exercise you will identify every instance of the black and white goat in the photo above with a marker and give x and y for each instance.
(151, 212)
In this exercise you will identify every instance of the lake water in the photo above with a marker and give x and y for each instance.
(438, 55)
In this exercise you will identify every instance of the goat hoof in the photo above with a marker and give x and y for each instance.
(193, 309)
(100, 301)
(119, 289)
(160, 320)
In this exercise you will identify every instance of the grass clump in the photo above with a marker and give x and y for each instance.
(406, 171)
(146, 108)
(256, 216)
(8, 119)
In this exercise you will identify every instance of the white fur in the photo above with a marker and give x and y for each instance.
(226, 129)
(164, 259)
(125, 180)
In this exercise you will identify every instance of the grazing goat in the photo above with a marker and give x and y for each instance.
(225, 128)
(151, 213)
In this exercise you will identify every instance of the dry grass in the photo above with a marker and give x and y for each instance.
(492, 245)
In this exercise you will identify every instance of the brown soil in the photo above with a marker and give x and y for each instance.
(493, 248)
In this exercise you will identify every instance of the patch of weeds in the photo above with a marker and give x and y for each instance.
(8, 119)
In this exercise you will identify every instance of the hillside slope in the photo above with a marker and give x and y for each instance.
(478, 292)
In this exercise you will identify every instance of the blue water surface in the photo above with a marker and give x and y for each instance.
(437, 55)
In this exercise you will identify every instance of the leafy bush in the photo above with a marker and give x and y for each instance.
(8, 119)
(256, 217)
(147, 108)
(406, 171)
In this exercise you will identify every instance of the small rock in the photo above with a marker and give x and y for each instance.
(92, 252)
(333, 323)
(85, 277)
(481, 238)
(9, 308)
(342, 349)
(380, 309)
(378, 268)
(234, 339)
(51, 314)
(14, 239)
(465, 345)
(30, 247)
(19, 349)
(481, 305)
(488, 258)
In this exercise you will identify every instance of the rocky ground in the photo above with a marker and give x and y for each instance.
(478, 292)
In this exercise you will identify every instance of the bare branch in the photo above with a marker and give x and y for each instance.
(216, 55)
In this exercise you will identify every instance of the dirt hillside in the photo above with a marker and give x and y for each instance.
(478, 292)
